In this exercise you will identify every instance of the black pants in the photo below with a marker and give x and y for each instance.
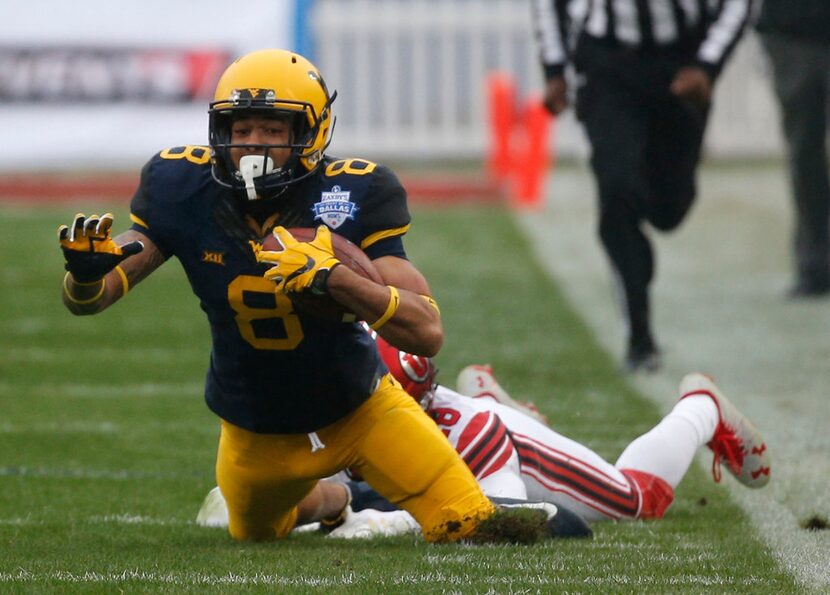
(645, 146)
(802, 83)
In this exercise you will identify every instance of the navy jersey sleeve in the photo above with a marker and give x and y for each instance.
(386, 217)
(175, 184)
(141, 209)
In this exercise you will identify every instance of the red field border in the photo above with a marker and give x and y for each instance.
(57, 189)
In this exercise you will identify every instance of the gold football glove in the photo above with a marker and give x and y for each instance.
(88, 247)
(300, 266)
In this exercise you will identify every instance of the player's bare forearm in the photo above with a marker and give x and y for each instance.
(91, 298)
(414, 324)
(327, 500)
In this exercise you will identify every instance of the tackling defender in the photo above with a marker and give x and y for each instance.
(515, 456)
(299, 397)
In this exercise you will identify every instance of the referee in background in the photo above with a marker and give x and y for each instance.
(796, 37)
(644, 76)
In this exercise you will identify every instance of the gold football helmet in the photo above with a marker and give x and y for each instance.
(281, 83)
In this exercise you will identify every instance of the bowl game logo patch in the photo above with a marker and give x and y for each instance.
(334, 207)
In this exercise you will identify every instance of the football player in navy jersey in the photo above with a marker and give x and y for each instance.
(299, 397)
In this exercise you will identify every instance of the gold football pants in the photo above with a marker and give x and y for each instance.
(389, 440)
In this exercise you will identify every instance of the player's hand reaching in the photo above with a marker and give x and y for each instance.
(89, 249)
(368, 523)
(300, 266)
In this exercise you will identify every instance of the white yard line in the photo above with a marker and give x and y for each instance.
(184, 579)
(438, 579)
(720, 308)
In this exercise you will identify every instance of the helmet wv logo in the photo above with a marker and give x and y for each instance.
(237, 95)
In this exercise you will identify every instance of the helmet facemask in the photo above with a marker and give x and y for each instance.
(258, 176)
(278, 83)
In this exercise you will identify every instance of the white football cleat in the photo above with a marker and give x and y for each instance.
(369, 523)
(736, 440)
(477, 381)
(214, 510)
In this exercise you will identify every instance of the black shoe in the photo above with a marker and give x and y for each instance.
(642, 358)
(534, 518)
(810, 287)
(566, 523)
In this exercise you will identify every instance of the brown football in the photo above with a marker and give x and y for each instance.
(347, 253)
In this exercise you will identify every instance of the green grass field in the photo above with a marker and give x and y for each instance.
(106, 447)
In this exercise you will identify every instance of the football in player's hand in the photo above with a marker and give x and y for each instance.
(351, 256)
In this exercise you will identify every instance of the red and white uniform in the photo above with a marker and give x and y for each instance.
(513, 455)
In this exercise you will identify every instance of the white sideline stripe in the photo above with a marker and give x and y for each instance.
(72, 427)
(719, 307)
(119, 475)
(19, 522)
(119, 519)
(110, 391)
(104, 427)
(133, 519)
(102, 355)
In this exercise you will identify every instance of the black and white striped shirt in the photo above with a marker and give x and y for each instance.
(714, 25)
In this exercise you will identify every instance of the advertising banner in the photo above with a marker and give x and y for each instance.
(97, 85)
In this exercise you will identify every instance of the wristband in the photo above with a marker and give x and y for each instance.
(331, 523)
(125, 283)
(94, 298)
(391, 308)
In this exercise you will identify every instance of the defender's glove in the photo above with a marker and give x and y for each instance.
(89, 250)
(369, 523)
(214, 510)
(300, 266)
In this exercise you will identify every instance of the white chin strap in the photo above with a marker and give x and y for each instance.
(250, 167)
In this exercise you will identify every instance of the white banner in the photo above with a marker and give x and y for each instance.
(97, 84)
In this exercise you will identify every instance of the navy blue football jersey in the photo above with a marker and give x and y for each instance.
(272, 369)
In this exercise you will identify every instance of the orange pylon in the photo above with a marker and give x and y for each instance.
(502, 106)
(532, 160)
(518, 157)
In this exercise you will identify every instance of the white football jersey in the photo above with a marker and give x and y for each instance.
(513, 455)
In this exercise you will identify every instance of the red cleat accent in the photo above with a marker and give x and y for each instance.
(736, 441)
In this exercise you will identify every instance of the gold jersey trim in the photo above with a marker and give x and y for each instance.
(139, 221)
(382, 235)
